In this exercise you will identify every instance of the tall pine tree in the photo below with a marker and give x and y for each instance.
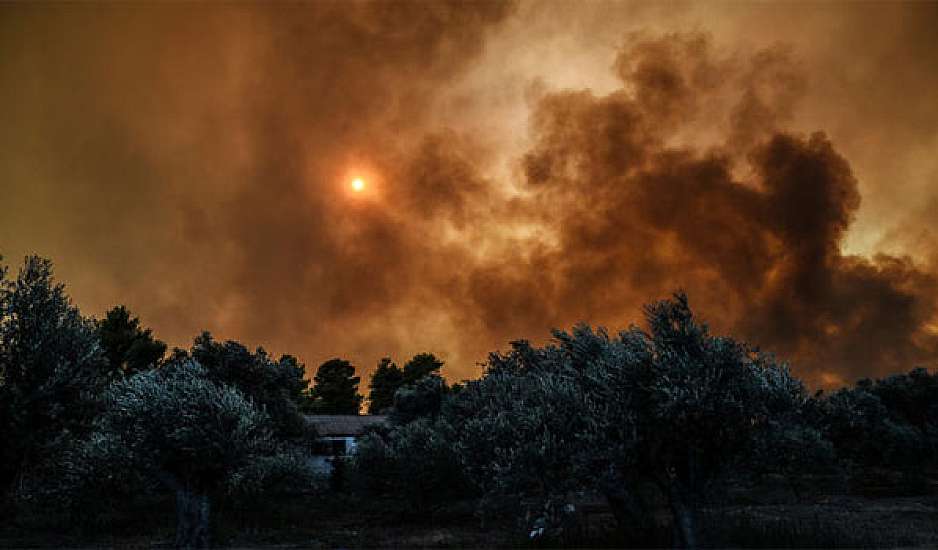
(129, 347)
(421, 365)
(385, 381)
(52, 368)
(335, 388)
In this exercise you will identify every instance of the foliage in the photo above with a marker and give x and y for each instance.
(421, 365)
(673, 406)
(93, 418)
(521, 428)
(335, 389)
(910, 398)
(422, 398)
(385, 381)
(415, 462)
(421, 390)
(887, 423)
(177, 428)
(51, 368)
(128, 347)
(708, 403)
(277, 387)
(178, 422)
(286, 472)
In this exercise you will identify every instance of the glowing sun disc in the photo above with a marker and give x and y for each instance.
(358, 184)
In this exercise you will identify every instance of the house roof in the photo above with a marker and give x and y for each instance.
(343, 424)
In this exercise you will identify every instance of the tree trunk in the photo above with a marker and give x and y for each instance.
(192, 519)
(684, 516)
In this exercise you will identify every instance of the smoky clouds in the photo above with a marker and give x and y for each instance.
(190, 161)
(753, 227)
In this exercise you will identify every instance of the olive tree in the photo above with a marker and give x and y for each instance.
(708, 403)
(672, 406)
(888, 423)
(416, 462)
(522, 428)
(176, 427)
(277, 386)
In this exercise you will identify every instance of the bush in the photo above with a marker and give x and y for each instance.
(415, 462)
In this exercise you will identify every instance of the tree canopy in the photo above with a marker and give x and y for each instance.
(422, 398)
(91, 413)
(128, 346)
(335, 389)
(674, 407)
(179, 428)
(421, 365)
(385, 381)
(277, 386)
(52, 368)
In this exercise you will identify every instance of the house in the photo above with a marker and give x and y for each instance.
(338, 434)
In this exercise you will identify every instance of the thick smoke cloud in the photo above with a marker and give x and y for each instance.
(192, 160)
(752, 227)
(193, 163)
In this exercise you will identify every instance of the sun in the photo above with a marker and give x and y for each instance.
(358, 185)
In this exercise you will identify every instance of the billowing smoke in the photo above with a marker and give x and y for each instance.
(752, 226)
(192, 162)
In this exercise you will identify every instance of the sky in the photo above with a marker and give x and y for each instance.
(524, 166)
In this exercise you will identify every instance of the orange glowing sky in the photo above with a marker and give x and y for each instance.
(523, 166)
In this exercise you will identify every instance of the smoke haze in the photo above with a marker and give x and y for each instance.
(528, 166)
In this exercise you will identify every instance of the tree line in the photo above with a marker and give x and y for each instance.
(98, 410)
(97, 414)
(669, 414)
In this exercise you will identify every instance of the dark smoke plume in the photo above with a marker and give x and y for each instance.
(192, 162)
(753, 226)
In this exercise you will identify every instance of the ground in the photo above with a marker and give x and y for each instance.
(838, 521)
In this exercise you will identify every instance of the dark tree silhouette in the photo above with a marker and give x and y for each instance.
(52, 368)
(421, 365)
(673, 407)
(422, 398)
(416, 462)
(279, 387)
(888, 423)
(129, 347)
(178, 428)
(385, 381)
(911, 398)
(335, 389)
(708, 402)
